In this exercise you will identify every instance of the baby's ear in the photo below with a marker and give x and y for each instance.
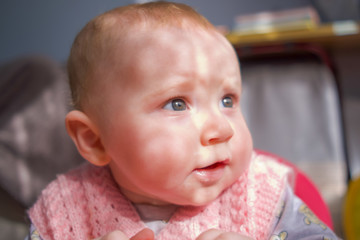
(86, 137)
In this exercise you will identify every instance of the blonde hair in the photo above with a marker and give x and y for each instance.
(94, 42)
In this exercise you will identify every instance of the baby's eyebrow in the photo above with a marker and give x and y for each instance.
(231, 84)
(177, 84)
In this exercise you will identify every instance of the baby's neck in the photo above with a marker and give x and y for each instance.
(155, 217)
(149, 212)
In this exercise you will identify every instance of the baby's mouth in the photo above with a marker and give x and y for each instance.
(211, 174)
(213, 166)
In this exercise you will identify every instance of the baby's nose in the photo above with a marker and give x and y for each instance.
(216, 129)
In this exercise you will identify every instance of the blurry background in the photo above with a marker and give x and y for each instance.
(47, 29)
(39, 26)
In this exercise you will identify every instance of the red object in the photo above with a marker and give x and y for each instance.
(306, 190)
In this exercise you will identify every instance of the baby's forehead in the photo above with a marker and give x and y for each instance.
(138, 45)
(168, 36)
(123, 24)
(145, 43)
(152, 50)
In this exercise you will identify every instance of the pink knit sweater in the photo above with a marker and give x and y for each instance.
(86, 203)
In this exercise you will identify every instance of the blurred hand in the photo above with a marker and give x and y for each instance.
(145, 234)
(215, 234)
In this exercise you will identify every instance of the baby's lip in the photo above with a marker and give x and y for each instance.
(212, 173)
(214, 165)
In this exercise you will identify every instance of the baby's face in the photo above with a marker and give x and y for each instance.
(171, 120)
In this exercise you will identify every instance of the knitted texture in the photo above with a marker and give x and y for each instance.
(86, 203)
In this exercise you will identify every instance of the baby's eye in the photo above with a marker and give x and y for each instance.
(176, 105)
(227, 102)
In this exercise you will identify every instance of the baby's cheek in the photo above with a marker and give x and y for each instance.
(169, 155)
(242, 151)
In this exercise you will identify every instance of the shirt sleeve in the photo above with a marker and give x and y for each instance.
(296, 221)
(33, 234)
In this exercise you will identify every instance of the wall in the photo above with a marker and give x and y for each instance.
(49, 27)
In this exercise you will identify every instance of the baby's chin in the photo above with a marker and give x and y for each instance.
(207, 195)
(196, 197)
(204, 198)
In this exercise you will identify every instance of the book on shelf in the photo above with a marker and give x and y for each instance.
(271, 21)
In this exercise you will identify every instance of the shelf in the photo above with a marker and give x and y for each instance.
(336, 35)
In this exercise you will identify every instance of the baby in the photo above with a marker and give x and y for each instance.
(156, 90)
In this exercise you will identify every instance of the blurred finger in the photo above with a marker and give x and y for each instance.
(115, 235)
(145, 234)
(209, 234)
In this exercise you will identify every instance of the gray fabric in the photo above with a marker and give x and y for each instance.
(352, 112)
(291, 107)
(34, 146)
